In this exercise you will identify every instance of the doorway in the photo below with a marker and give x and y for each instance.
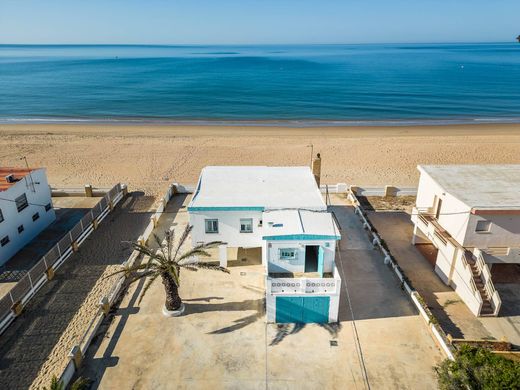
(311, 258)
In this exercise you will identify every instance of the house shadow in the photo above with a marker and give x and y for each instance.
(285, 330)
(256, 305)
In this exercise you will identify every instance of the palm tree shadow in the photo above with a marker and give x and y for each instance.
(285, 330)
(248, 305)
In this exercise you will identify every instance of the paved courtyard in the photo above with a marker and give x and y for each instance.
(454, 316)
(223, 342)
(69, 210)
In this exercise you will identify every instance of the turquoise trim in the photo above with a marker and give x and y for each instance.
(301, 237)
(236, 208)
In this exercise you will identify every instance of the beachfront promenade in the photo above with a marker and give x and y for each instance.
(37, 344)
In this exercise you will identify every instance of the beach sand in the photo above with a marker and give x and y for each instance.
(149, 157)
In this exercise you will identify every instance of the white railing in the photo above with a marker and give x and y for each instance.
(485, 274)
(330, 286)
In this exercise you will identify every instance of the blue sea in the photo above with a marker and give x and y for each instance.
(388, 84)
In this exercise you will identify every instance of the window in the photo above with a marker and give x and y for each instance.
(211, 225)
(21, 202)
(4, 241)
(36, 216)
(1, 216)
(246, 225)
(483, 226)
(288, 253)
(48, 206)
(20, 229)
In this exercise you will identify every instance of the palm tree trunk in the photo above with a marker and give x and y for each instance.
(173, 300)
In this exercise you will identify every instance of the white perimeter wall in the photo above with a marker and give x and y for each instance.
(228, 228)
(13, 218)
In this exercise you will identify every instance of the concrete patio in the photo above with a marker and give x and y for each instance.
(223, 342)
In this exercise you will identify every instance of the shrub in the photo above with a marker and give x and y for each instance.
(478, 368)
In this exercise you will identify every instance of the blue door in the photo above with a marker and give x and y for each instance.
(302, 309)
(320, 260)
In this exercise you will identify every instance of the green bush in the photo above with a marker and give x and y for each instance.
(478, 368)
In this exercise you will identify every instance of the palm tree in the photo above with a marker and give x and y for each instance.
(518, 38)
(166, 262)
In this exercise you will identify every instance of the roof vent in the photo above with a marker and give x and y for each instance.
(10, 178)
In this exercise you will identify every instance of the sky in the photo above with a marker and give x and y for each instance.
(257, 21)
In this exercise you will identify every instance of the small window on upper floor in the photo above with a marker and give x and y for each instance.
(1, 217)
(483, 227)
(48, 206)
(4, 241)
(21, 202)
(20, 229)
(36, 216)
(211, 225)
(246, 225)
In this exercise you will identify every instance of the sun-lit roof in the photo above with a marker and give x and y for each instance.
(261, 187)
(481, 187)
(301, 223)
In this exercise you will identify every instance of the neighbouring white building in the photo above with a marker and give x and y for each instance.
(471, 214)
(25, 208)
(281, 211)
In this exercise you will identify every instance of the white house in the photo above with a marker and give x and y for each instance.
(25, 208)
(281, 211)
(471, 214)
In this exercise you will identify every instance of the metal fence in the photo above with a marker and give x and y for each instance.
(27, 286)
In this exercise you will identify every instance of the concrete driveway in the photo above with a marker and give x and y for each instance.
(453, 315)
(223, 342)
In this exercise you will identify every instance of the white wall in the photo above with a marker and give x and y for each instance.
(228, 228)
(13, 218)
(276, 265)
(454, 214)
(504, 232)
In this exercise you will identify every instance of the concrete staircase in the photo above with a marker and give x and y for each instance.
(487, 309)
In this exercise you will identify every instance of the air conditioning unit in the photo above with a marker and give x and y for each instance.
(10, 178)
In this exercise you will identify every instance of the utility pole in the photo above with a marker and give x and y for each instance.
(30, 177)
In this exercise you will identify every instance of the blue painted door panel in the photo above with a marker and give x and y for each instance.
(289, 309)
(302, 309)
(320, 260)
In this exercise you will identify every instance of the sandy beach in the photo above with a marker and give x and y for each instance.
(149, 157)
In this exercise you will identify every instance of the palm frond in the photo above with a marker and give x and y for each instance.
(182, 240)
(205, 265)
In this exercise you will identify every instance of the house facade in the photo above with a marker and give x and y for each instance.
(471, 215)
(25, 208)
(281, 211)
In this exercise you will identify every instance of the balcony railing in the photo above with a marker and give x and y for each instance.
(303, 285)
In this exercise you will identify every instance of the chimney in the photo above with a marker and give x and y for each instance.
(316, 168)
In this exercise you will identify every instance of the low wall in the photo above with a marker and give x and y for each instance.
(436, 331)
(79, 350)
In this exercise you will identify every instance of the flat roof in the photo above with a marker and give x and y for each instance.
(299, 224)
(480, 187)
(256, 187)
(18, 173)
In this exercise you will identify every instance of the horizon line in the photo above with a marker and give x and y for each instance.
(258, 44)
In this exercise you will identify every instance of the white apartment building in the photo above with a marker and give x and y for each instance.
(25, 208)
(281, 211)
(471, 214)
